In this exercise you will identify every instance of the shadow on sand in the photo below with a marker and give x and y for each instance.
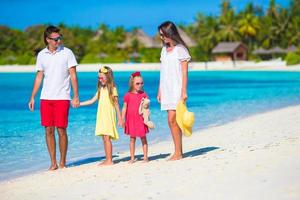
(193, 153)
(199, 152)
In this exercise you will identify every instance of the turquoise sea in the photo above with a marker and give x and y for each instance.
(215, 97)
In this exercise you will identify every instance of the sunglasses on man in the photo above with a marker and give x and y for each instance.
(57, 38)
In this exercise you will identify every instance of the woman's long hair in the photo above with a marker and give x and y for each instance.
(169, 30)
(110, 83)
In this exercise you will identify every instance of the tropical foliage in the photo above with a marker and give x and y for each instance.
(254, 26)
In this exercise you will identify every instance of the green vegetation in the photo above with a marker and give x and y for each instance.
(292, 58)
(255, 27)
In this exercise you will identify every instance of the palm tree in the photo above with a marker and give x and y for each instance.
(275, 24)
(293, 32)
(249, 24)
(228, 24)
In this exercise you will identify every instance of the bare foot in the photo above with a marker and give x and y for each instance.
(131, 161)
(145, 160)
(106, 162)
(62, 167)
(53, 167)
(175, 157)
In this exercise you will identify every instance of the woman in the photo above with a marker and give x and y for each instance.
(173, 79)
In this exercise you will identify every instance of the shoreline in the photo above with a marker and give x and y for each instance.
(256, 155)
(193, 66)
(74, 162)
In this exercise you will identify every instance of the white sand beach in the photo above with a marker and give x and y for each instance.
(193, 66)
(252, 158)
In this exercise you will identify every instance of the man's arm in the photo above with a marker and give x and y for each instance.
(74, 81)
(36, 85)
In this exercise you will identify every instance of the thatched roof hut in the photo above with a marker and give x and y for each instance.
(292, 48)
(227, 47)
(261, 51)
(225, 51)
(187, 39)
(277, 50)
(140, 36)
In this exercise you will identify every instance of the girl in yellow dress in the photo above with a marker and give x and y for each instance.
(108, 107)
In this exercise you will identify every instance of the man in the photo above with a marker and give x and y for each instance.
(55, 64)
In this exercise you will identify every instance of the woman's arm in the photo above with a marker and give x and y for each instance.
(158, 94)
(184, 67)
(120, 120)
(90, 101)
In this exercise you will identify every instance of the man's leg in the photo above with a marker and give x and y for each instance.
(61, 122)
(50, 140)
(63, 146)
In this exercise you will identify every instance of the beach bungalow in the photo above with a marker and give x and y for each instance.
(267, 54)
(141, 37)
(230, 51)
(291, 48)
(188, 40)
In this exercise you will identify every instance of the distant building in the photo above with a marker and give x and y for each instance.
(227, 51)
(151, 42)
(267, 54)
(188, 40)
(141, 37)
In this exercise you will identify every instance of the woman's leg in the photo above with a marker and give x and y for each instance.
(176, 135)
(145, 148)
(108, 150)
(132, 149)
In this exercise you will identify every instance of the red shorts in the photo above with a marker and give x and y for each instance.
(55, 113)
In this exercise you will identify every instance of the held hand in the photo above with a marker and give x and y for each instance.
(31, 104)
(120, 122)
(75, 102)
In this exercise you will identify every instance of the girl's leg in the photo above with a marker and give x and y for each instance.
(176, 135)
(145, 148)
(132, 149)
(108, 150)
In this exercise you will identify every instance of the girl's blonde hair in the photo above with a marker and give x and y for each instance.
(110, 83)
(131, 80)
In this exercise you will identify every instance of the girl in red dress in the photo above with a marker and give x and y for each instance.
(134, 122)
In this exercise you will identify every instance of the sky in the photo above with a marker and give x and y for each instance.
(145, 14)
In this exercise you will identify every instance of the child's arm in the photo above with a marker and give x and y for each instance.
(124, 109)
(120, 120)
(141, 106)
(90, 101)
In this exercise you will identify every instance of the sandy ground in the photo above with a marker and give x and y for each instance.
(252, 158)
(194, 66)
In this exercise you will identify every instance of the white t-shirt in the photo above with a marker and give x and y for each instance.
(171, 75)
(56, 85)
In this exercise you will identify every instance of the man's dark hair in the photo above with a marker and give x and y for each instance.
(50, 29)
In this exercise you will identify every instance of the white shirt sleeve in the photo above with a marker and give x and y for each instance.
(183, 54)
(38, 65)
(71, 60)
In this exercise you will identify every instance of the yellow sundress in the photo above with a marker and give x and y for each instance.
(106, 123)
